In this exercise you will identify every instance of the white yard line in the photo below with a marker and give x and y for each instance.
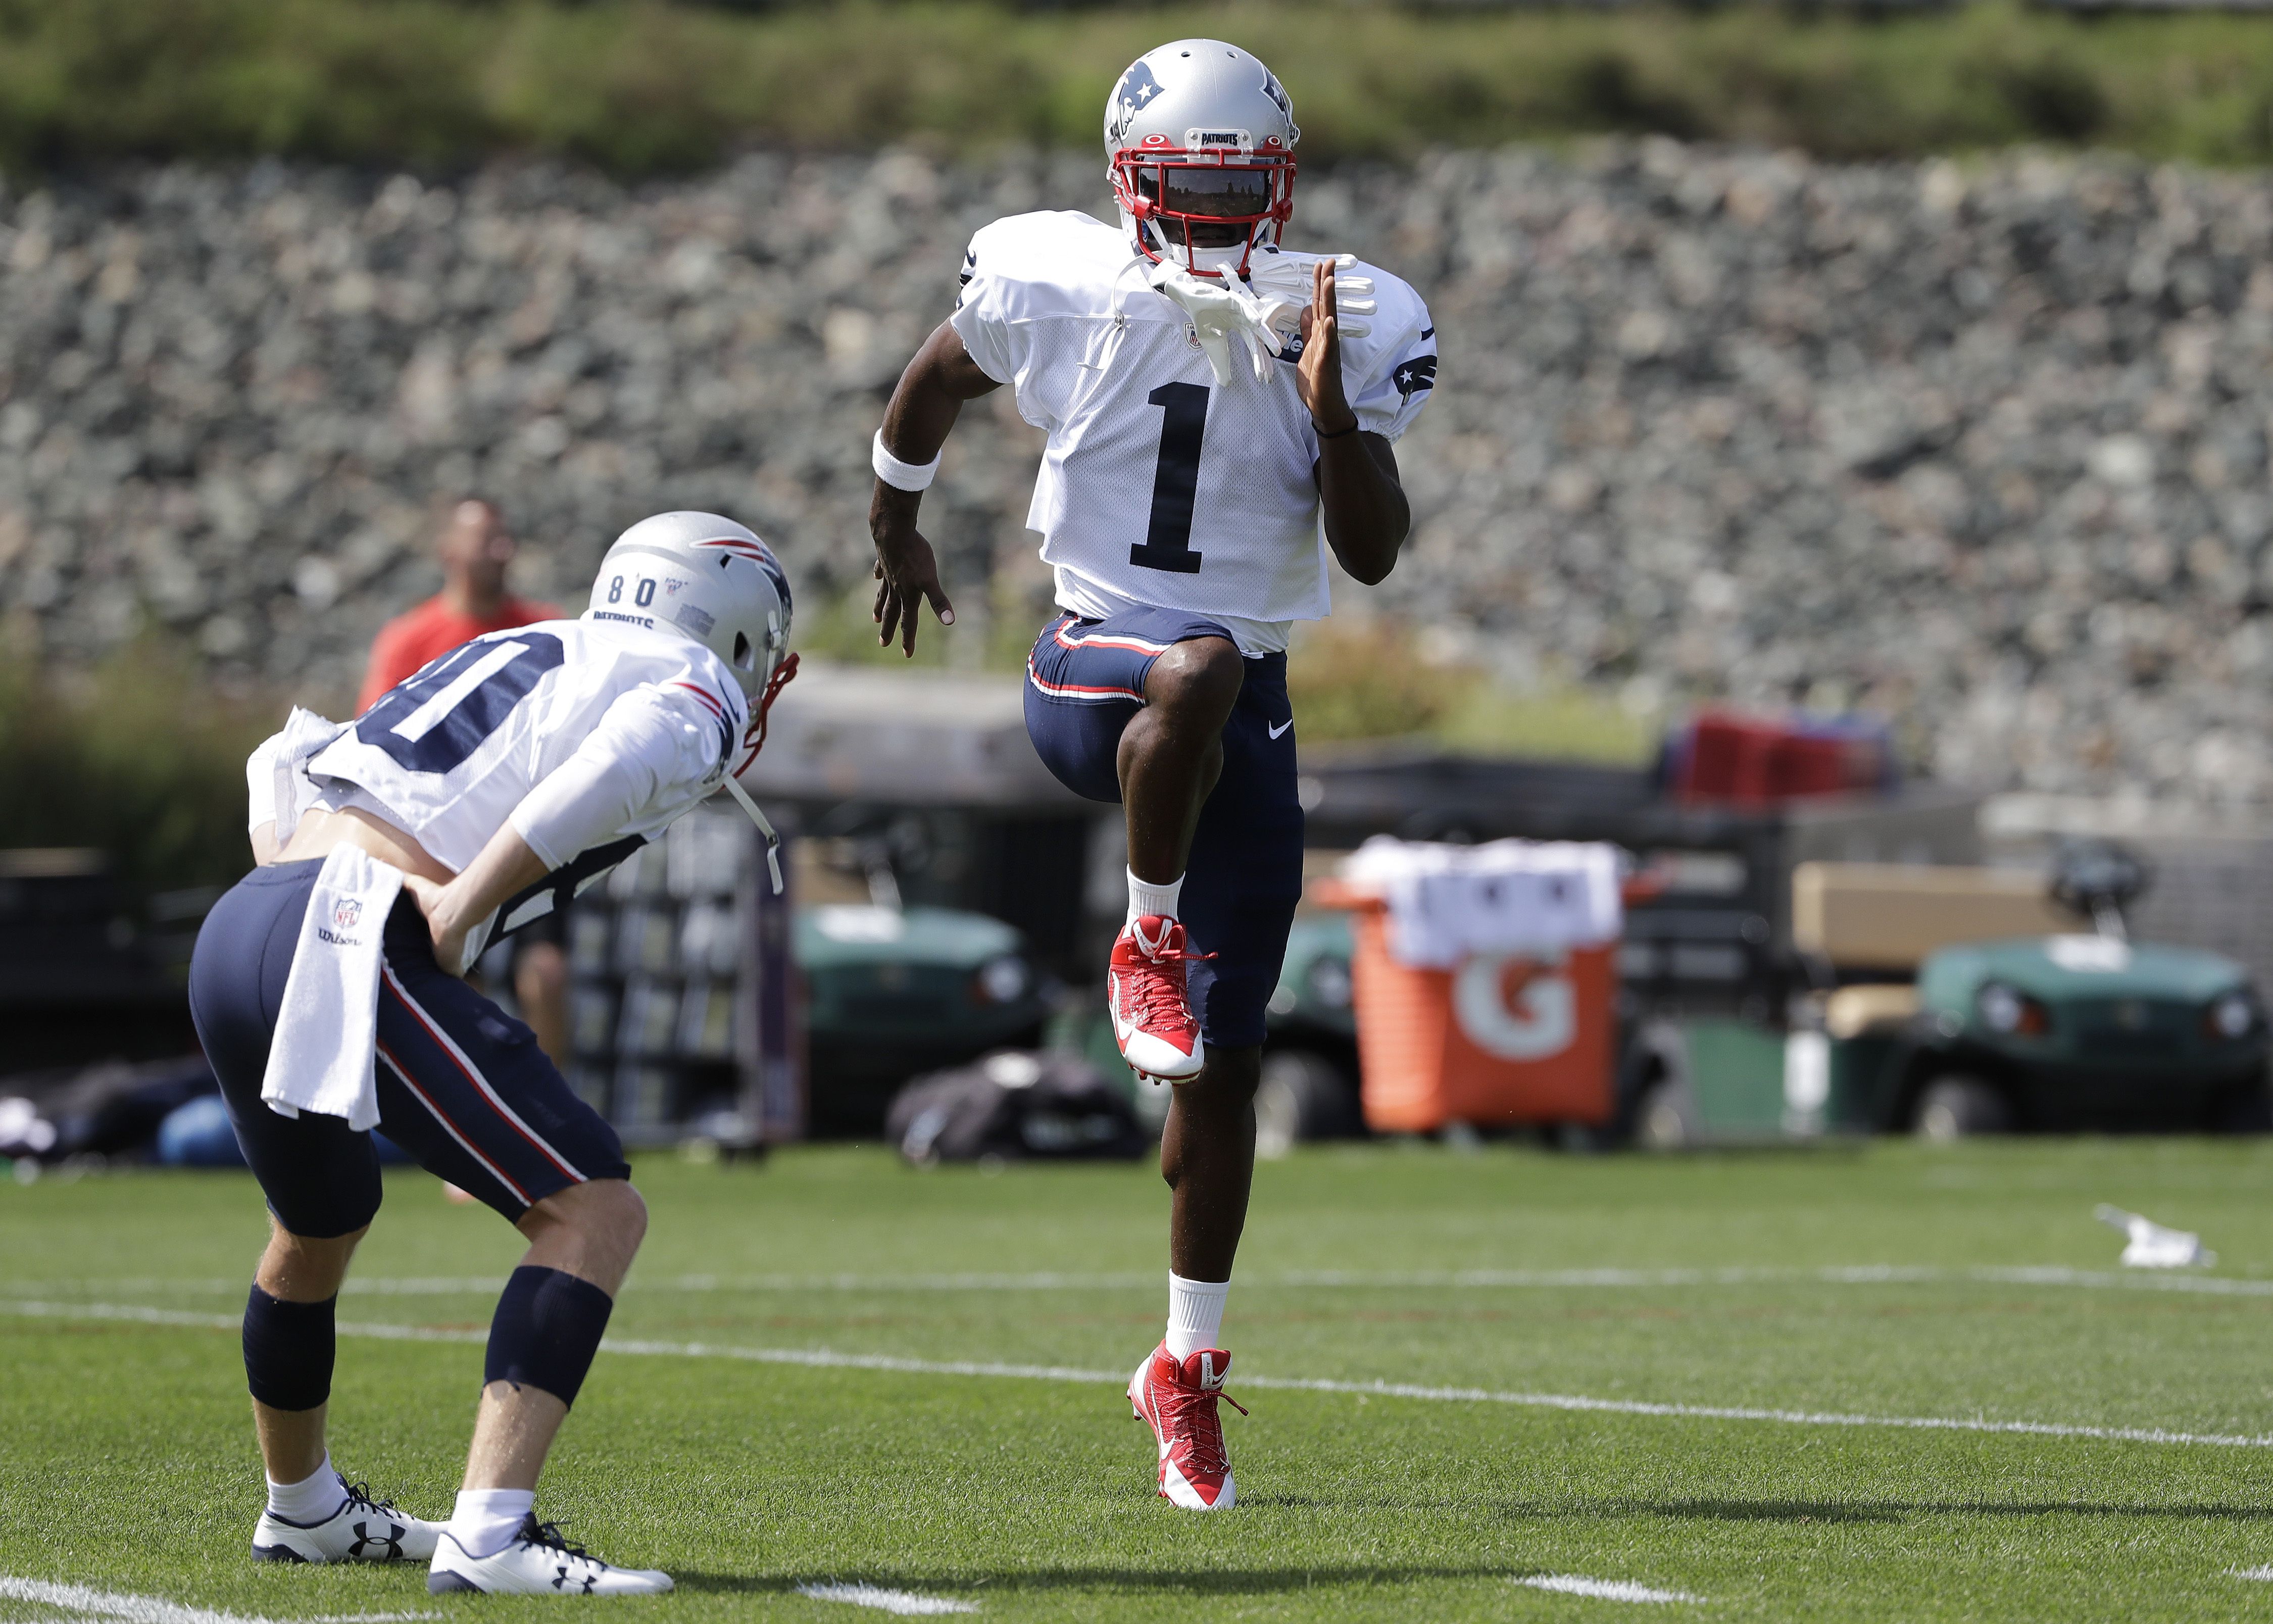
(2252, 1573)
(1604, 1589)
(905, 1602)
(1452, 1280)
(155, 1610)
(825, 1359)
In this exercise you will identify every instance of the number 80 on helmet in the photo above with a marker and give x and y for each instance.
(705, 577)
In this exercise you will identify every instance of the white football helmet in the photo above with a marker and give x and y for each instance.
(704, 577)
(1200, 140)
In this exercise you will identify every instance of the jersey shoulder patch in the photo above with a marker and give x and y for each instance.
(1402, 335)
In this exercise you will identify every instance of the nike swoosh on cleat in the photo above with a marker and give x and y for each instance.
(1282, 727)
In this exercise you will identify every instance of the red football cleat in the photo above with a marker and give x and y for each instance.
(1179, 1401)
(1151, 1012)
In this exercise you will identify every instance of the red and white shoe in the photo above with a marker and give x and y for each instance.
(1179, 1401)
(1152, 1011)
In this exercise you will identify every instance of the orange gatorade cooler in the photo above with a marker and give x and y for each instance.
(1495, 1037)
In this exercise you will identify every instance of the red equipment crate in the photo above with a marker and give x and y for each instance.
(1753, 760)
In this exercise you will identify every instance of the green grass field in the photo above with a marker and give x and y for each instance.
(1886, 1282)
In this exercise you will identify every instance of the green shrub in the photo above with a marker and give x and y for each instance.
(641, 86)
(139, 758)
(1374, 680)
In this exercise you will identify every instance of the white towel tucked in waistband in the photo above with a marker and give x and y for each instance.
(327, 1028)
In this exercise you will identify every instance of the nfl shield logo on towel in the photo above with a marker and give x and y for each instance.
(346, 912)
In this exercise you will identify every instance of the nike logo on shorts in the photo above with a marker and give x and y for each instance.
(1282, 727)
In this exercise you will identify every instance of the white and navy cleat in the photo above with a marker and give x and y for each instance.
(537, 1561)
(363, 1530)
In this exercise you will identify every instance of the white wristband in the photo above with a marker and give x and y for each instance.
(901, 475)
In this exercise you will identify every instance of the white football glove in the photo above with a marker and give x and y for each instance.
(1282, 281)
(1228, 319)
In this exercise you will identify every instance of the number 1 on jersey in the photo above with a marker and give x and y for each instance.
(1168, 543)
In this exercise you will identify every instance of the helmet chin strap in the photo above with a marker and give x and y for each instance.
(1226, 261)
(773, 841)
(783, 674)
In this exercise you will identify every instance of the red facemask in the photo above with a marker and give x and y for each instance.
(1204, 202)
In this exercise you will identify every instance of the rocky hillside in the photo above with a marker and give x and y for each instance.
(1985, 448)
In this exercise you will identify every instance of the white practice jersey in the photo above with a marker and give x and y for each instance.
(1161, 487)
(587, 736)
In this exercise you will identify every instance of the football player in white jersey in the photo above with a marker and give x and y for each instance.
(1220, 413)
(325, 986)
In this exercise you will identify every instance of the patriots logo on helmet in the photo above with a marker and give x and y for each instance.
(1413, 376)
(346, 914)
(779, 577)
(1136, 92)
(758, 554)
(1277, 92)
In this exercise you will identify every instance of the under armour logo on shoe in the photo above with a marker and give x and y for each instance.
(367, 1545)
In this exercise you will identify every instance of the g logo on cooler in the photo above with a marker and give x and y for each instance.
(1516, 1007)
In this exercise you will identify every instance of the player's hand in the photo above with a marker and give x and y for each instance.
(1318, 375)
(448, 932)
(907, 574)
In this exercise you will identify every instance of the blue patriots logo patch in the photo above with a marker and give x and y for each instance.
(1136, 91)
(775, 573)
(1277, 92)
(1413, 376)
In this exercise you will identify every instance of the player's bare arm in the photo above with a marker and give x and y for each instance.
(1366, 517)
(505, 869)
(922, 411)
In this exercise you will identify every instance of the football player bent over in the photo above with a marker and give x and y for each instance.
(326, 985)
(1208, 397)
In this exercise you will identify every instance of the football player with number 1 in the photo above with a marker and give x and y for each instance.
(1220, 413)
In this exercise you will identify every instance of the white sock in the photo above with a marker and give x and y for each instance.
(1195, 1314)
(1147, 898)
(311, 1501)
(484, 1521)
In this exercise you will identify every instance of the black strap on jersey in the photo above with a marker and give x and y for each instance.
(572, 878)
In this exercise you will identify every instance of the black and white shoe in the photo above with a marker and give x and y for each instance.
(537, 1561)
(363, 1530)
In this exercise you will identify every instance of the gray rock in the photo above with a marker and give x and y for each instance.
(1983, 447)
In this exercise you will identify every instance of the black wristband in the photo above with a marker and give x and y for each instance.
(1337, 433)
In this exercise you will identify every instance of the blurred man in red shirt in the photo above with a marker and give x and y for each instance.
(473, 550)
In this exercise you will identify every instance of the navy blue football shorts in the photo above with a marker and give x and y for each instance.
(462, 1086)
(1084, 680)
